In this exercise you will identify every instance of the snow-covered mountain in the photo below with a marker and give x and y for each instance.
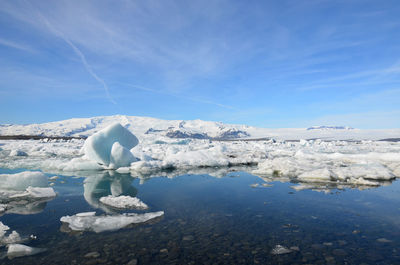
(195, 129)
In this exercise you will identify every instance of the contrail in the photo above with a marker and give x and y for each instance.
(81, 56)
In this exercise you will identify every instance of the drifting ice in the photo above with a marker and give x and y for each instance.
(87, 221)
(124, 202)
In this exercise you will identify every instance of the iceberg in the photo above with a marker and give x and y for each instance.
(120, 156)
(88, 221)
(111, 146)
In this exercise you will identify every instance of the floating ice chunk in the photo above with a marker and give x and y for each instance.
(85, 214)
(19, 250)
(36, 192)
(90, 222)
(322, 174)
(120, 156)
(124, 202)
(13, 237)
(23, 180)
(98, 146)
(279, 250)
(3, 229)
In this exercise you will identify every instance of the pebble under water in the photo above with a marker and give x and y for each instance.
(209, 220)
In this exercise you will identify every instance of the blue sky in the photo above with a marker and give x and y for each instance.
(263, 63)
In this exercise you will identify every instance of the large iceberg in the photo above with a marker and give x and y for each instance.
(110, 146)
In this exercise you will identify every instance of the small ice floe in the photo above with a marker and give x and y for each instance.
(19, 250)
(88, 221)
(279, 250)
(384, 240)
(124, 202)
(8, 238)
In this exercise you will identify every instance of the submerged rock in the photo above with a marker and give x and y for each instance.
(279, 250)
(19, 250)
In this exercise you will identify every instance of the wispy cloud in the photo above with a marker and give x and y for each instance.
(16, 45)
(78, 53)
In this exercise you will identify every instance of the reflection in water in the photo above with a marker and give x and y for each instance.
(326, 186)
(107, 183)
(26, 207)
(210, 218)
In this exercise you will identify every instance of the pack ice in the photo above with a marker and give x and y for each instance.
(337, 155)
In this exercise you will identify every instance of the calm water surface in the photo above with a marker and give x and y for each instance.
(212, 220)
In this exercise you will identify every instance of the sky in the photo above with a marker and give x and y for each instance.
(272, 64)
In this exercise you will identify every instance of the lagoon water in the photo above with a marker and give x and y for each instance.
(209, 220)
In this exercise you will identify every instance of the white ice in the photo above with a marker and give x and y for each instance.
(19, 250)
(124, 202)
(23, 180)
(99, 146)
(7, 237)
(90, 222)
(24, 193)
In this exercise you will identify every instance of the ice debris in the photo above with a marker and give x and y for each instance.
(88, 221)
(124, 202)
(110, 146)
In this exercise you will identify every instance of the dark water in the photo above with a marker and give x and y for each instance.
(217, 221)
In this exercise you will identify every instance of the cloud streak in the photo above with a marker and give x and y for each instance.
(79, 53)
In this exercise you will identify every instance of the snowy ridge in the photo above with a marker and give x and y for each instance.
(146, 126)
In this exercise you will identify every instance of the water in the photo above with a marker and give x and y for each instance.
(212, 220)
